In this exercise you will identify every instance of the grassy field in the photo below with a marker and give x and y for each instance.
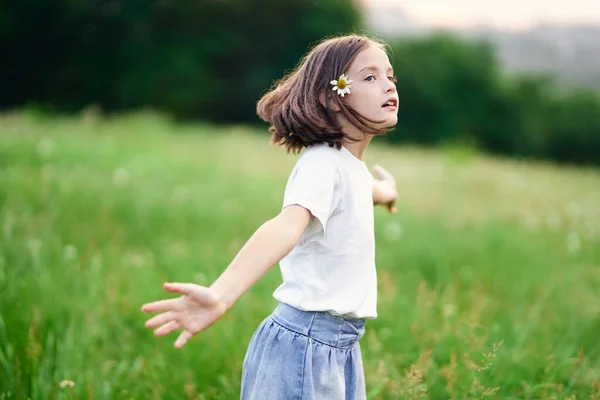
(489, 274)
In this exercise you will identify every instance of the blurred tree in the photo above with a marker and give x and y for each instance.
(444, 84)
(574, 128)
(212, 60)
(453, 90)
(206, 59)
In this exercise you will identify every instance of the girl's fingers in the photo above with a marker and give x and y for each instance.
(183, 338)
(181, 288)
(377, 170)
(391, 206)
(167, 328)
(382, 173)
(161, 305)
(160, 319)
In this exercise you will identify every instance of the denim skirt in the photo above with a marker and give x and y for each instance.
(300, 355)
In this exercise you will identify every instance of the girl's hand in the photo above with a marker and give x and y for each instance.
(385, 191)
(196, 310)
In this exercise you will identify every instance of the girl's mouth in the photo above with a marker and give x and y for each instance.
(391, 104)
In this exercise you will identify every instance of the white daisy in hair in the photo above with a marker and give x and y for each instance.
(342, 85)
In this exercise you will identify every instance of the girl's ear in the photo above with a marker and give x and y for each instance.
(332, 105)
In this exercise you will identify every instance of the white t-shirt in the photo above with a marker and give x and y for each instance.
(332, 268)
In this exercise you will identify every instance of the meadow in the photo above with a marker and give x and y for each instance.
(489, 274)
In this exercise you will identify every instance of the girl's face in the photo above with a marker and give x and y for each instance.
(373, 91)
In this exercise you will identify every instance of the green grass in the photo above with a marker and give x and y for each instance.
(489, 275)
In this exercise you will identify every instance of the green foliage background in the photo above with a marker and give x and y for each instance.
(212, 60)
(488, 275)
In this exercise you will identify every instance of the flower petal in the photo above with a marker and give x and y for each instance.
(333, 82)
(336, 88)
(348, 90)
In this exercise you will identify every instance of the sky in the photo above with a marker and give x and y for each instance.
(507, 14)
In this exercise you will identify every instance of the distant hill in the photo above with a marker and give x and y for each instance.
(572, 53)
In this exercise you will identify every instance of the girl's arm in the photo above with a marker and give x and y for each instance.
(200, 306)
(265, 248)
(384, 189)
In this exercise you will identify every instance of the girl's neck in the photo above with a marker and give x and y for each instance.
(357, 148)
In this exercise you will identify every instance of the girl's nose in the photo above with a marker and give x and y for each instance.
(391, 86)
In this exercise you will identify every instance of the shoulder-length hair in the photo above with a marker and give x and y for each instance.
(293, 106)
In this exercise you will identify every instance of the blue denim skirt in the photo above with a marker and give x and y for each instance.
(300, 355)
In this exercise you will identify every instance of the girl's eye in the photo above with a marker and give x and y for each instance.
(369, 78)
(393, 79)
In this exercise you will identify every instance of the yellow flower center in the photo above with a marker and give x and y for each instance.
(341, 84)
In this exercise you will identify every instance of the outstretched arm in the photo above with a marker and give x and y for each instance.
(384, 190)
(200, 307)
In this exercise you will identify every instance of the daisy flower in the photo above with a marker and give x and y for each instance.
(67, 383)
(342, 85)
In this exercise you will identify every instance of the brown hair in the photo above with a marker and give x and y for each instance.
(292, 107)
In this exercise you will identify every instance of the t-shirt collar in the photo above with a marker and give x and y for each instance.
(345, 153)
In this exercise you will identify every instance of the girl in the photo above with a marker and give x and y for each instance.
(339, 97)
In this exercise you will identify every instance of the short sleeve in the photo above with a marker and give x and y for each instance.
(315, 185)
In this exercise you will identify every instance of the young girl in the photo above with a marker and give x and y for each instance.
(339, 97)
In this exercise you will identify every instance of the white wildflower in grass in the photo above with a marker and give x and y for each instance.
(121, 177)
(136, 260)
(70, 252)
(201, 278)
(342, 85)
(449, 310)
(573, 242)
(45, 147)
(67, 383)
(178, 249)
(393, 231)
